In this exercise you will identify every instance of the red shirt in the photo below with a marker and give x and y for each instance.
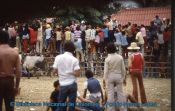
(166, 36)
(33, 36)
(137, 62)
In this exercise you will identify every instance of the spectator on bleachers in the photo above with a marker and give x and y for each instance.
(48, 34)
(140, 40)
(33, 38)
(166, 36)
(118, 40)
(160, 39)
(153, 31)
(143, 32)
(106, 36)
(157, 21)
(156, 55)
(129, 33)
(39, 44)
(12, 34)
(25, 37)
(124, 44)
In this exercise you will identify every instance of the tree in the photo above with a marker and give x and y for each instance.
(90, 13)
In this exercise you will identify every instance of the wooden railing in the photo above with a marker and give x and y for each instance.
(151, 69)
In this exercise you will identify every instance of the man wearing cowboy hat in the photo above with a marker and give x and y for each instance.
(135, 65)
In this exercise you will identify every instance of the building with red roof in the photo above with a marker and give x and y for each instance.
(141, 15)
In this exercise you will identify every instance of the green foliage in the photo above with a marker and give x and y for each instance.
(93, 15)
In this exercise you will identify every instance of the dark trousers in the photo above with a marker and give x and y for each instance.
(125, 52)
(111, 36)
(106, 40)
(58, 43)
(137, 76)
(129, 40)
(13, 41)
(69, 91)
(7, 93)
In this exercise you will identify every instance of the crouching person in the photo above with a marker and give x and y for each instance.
(94, 87)
(54, 96)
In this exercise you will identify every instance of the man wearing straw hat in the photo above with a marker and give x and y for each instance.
(135, 64)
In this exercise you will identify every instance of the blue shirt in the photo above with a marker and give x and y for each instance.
(124, 41)
(78, 44)
(118, 37)
(105, 31)
(48, 33)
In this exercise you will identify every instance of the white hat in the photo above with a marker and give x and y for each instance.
(133, 46)
(82, 21)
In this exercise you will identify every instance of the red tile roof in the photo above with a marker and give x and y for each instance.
(141, 15)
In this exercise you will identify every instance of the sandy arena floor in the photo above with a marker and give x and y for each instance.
(38, 90)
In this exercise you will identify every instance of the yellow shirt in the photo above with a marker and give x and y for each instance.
(68, 35)
(58, 35)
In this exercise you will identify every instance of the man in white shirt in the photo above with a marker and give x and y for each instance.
(67, 67)
(140, 40)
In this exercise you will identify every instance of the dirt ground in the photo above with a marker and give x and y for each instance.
(38, 90)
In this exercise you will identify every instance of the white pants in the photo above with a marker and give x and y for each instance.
(115, 80)
(39, 46)
(79, 53)
(18, 43)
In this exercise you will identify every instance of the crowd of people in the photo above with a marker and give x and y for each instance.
(48, 38)
(40, 36)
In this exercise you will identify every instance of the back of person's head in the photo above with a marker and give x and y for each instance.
(142, 25)
(69, 47)
(123, 32)
(111, 48)
(129, 23)
(78, 28)
(138, 29)
(117, 30)
(56, 84)
(89, 74)
(159, 31)
(104, 26)
(4, 37)
(89, 26)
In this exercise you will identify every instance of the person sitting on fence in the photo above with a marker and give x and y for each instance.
(93, 86)
(54, 96)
